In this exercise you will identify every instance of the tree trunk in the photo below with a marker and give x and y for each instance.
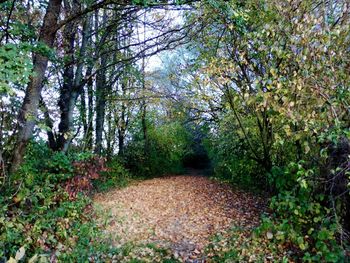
(88, 133)
(90, 90)
(29, 110)
(144, 126)
(79, 73)
(100, 105)
(66, 101)
(123, 122)
(110, 136)
(83, 111)
(72, 84)
(101, 90)
(49, 123)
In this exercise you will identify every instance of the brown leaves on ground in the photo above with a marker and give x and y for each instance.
(178, 212)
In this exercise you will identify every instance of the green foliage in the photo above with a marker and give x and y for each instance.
(115, 176)
(284, 179)
(46, 166)
(43, 220)
(229, 157)
(305, 225)
(15, 52)
(283, 122)
(299, 224)
(38, 214)
(162, 152)
(301, 219)
(167, 146)
(15, 67)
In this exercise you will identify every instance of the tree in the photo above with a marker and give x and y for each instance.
(29, 109)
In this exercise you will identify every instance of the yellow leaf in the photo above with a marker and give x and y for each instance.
(307, 147)
(269, 235)
(33, 259)
(11, 260)
(20, 253)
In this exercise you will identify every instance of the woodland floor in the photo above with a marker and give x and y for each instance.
(179, 213)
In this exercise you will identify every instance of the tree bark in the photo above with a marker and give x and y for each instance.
(29, 110)
(111, 130)
(79, 73)
(123, 121)
(90, 90)
(67, 93)
(51, 135)
(72, 84)
(83, 111)
(100, 104)
(101, 90)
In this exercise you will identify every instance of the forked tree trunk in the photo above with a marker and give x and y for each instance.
(67, 98)
(72, 84)
(29, 110)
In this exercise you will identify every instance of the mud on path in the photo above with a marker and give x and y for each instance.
(180, 213)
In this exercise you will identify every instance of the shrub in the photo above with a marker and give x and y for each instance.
(161, 153)
(114, 176)
(300, 219)
(44, 211)
(85, 171)
(230, 158)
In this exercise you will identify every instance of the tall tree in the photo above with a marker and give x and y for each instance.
(101, 88)
(29, 110)
(72, 77)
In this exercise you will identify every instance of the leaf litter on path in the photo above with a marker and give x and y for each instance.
(179, 213)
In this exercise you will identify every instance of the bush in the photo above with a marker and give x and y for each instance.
(45, 221)
(85, 172)
(115, 176)
(306, 219)
(299, 226)
(161, 153)
(40, 217)
(230, 158)
(301, 219)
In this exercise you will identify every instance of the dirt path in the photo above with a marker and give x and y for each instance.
(178, 212)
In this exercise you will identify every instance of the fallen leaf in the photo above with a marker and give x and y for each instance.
(269, 235)
(20, 253)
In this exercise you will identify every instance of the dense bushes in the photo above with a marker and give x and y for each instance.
(46, 210)
(230, 157)
(283, 122)
(306, 219)
(300, 224)
(301, 219)
(161, 152)
(115, 176)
